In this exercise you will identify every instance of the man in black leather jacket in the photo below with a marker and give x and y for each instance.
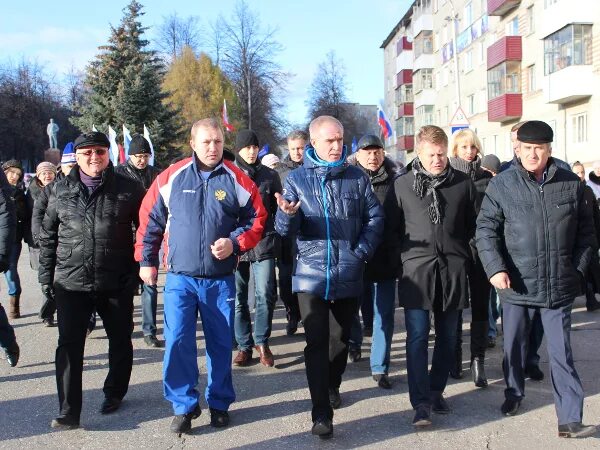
(138, 168)
(86, 254)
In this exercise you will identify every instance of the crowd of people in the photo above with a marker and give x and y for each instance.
(337, 237)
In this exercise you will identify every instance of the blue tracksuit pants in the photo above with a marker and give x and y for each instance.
(214, 299)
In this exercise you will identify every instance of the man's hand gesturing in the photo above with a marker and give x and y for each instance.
(290, 208)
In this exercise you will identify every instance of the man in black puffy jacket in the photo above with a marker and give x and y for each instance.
(535, 239)
(86, 254)
(8, 225)
(138, 168)
(260, 260)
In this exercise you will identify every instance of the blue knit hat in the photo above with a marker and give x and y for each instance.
(68, 156)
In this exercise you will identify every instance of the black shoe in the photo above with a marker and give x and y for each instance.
(218, 418)
(368, 331)
(153, 341)
(322, 427)
(534, 373)
(110, 405)
(12, 355)
(422, 416)
(291, 327)
(491, 342)
(49, 322)
(510, 407)
(576, 430)
(439, 404)
(334, 398)
(182, 423)
(65, 423)
(478, 372)
(354, 354)
(593, 306)
(382, 380)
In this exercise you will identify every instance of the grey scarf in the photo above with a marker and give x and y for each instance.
(427, 183)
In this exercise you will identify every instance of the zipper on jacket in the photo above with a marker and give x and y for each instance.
(203, 223)
(546, 239)
(326, 213)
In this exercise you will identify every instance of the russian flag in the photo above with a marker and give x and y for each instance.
(384, 123)
(225, 118)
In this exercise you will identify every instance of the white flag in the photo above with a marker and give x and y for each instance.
(94, 128)
(114, 148)
(147, 136)
(126, 140)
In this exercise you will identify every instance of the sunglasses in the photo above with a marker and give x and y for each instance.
(97, 151)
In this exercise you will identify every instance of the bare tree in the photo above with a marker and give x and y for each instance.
(247, 56)
(176, 32)
(328, 88)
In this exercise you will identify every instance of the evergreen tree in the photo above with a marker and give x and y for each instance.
(196, 88)
(123, 85)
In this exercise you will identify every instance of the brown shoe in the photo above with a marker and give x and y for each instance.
(243, 358)
(266, 357)
(14, 311)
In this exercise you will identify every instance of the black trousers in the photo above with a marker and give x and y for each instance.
(327, 330)
(289, 299)
(74, 311)
(568, 392)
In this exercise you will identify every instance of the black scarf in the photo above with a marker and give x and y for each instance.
(594, 178)
(250, 169)
(427, 183)
(471, 168)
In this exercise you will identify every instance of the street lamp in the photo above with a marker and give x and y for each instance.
(453, 21)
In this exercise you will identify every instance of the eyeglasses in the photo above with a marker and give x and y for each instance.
(141, 156)
(97, 151)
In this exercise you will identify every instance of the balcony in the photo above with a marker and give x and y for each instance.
(425, 97)
(405, 143)
(505, 107)
(508, 48)
(403, 44)
(404, 77)
(404, 61)
(405, 109)
(560, 87)
(422, 22)
(501, 7)
(425, 61)
(563, 13)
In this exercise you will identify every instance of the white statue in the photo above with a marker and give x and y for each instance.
(52, 131)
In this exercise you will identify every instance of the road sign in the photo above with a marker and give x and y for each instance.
(455, 129)
(459, 119)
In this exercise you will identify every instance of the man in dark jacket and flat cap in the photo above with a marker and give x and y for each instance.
(86, 255)
(535, 241)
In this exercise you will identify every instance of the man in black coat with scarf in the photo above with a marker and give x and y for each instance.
(434, 209)
(535, 239)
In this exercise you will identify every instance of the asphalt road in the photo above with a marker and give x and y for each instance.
(272, 410)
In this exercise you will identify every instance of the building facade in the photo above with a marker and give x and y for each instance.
(501, 62)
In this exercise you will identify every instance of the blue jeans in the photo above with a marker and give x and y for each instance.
(12, 276)
(149, 300)
(264, 303)
(382, 296)
(213, 298)
(421, 384)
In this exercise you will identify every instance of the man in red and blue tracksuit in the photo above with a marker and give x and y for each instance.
(207, 212)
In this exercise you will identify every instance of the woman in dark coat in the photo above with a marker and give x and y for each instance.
(465, 157)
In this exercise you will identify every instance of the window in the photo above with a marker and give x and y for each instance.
(405, 126)
(468, 60)
(530, 20)
(467, 15)
(423, 43)
(404, 94)
(579, 128)
(531, 85)
(424, 115)
(503, 79)
(423, 79)
(471, 104)
(569, 46)
(482, 52)
(512, 27)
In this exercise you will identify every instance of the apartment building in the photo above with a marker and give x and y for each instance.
(501, 62)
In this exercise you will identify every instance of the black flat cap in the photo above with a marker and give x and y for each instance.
(535, 132)
(245, 138)
(90, 139)
(369, 140)
(139, 145)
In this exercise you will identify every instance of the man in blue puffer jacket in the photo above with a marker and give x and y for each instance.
(337, 219)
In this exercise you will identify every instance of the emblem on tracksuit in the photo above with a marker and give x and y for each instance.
(220, 194)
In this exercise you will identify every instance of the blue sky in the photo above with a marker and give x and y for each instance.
(64, 34)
